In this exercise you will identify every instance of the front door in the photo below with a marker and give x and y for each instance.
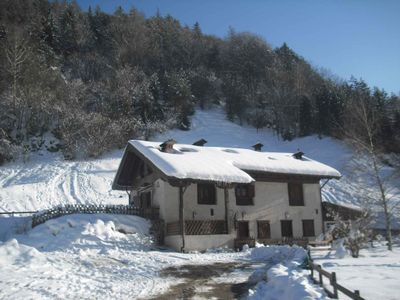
(243, 229)
(264, 230)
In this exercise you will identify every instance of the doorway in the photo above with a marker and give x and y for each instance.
(243, 229)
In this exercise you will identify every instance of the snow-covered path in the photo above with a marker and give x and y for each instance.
(48, 180)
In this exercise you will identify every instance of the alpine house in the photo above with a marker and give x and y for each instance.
(215, 196)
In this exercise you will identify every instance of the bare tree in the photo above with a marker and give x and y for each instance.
(361, 131)
(16, 54)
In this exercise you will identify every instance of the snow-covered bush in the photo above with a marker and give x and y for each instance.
(354, 233)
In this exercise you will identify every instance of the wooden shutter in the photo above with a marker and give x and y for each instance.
(243, 229)
(251, 190)
(295, 191)
(286, 228)
(308, 228)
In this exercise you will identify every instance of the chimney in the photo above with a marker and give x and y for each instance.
(168, 146)
(298, 155)
(258, 146)
(200, 142)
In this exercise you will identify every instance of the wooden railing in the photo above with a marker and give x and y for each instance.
(198, 227)
(43, 216)
(336, 287)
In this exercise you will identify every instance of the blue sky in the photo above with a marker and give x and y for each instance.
(347, 37)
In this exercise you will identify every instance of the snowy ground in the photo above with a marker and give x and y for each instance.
(375, 273)
(112, 257)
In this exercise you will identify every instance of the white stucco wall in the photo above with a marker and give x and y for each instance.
(200, 242)
(271, 202)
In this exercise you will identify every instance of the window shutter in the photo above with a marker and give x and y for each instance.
(308, 228)
(251, 190)
(295, 191)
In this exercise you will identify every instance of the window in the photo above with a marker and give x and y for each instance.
(308, 228)
(286, 228)
(206, 194)
(263, 230)
(244, 194)
(295, 191)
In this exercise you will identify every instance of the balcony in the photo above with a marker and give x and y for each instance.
(198, 227)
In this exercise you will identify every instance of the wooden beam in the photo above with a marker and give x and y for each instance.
(181, 217)
(226, 201)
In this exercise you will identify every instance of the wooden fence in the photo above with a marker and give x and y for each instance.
(43, 216)
(13, 213)
(198, 227)
(335, 287)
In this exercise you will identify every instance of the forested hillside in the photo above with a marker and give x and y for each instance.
(94, 80)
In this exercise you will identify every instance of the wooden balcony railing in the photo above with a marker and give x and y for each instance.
(198, 227)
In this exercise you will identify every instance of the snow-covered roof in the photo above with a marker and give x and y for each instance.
(227, 165)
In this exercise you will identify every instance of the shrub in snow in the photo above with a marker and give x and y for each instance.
(355, 233)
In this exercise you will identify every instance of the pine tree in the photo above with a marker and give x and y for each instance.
(305, 117)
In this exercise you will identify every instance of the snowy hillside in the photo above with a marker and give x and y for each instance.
(47, 180)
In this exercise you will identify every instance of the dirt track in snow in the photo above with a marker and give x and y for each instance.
(228, 280)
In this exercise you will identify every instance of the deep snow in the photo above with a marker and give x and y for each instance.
(375, 273)
(113, 257)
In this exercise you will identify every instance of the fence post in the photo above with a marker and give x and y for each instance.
(320, 275)
(357, 293)
(333, 283)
